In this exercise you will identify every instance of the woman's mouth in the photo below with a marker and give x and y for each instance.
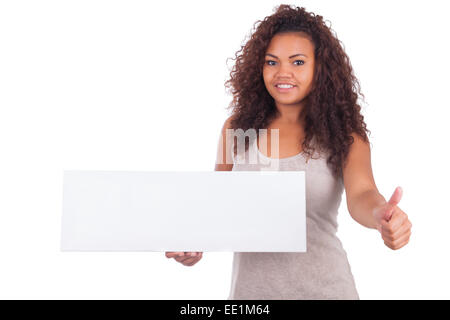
(285, 87)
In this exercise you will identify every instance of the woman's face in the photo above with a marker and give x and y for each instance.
(289, 60)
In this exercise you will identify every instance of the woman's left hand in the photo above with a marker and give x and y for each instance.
(393, 223)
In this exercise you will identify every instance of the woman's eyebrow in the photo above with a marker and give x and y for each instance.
(295, 55)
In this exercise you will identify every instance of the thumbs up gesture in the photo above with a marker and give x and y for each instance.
(393, 223)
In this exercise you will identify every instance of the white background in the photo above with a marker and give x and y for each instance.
(138, 85)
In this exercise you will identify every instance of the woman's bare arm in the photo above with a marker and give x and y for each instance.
(366, 205)
(362, 194)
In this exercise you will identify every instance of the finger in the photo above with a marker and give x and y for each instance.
(177, 254)
(186, 255)
(190, 260)
(404, 228)
(197, 253)
(399, 243)
(388, 213)
(198, 256)
(384, 227)
(396, 196)
(196, 259)
(191, 254)
(171, 254)
(192, 263)
(397, 220)
(182, 259)
(393, 201)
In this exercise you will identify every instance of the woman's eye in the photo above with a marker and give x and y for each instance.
(272, 63)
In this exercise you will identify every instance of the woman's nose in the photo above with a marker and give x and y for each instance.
(285, 71)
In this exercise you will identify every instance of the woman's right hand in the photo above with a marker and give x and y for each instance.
(185, 258)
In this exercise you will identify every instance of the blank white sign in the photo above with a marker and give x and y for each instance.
(238, 211)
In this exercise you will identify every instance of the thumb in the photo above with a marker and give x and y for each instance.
(396, 196)
(393, 201)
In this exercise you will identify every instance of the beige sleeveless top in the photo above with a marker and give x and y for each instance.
(323, 272)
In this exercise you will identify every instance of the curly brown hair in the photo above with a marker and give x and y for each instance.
(331, 111)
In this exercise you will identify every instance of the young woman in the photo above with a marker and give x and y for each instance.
(293, 75)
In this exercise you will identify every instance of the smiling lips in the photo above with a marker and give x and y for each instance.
(285, 87)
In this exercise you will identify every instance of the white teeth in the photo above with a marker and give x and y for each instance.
(284, 86)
